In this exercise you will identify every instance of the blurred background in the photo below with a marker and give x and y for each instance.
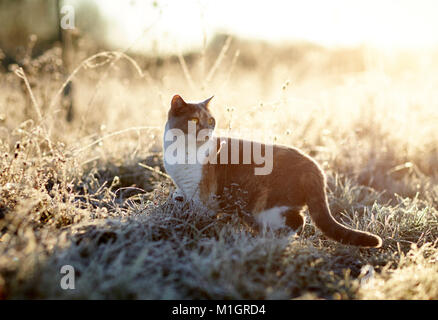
(316, 74)
(165, 26)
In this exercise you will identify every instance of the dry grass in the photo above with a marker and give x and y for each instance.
(75, 193)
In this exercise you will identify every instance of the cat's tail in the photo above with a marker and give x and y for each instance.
(316, 200)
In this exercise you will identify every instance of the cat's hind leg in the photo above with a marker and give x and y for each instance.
(295, 219)
(273, 218)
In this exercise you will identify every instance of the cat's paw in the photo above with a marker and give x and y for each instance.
(178, 196)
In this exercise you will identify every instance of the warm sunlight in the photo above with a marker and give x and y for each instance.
(218, 150)
(183, 24)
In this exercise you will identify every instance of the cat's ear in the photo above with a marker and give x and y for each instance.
(206, 102)
(177, 102)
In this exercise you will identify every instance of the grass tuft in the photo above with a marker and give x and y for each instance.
(92, 193)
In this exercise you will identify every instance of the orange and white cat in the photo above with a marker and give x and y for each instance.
(221, 174)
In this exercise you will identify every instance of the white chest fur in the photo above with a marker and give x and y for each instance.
(187, 178)
(184, 170)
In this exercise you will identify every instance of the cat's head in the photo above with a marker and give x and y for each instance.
(183, 115)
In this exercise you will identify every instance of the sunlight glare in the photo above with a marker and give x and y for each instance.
(182, 25)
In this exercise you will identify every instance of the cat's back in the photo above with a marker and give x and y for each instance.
(234, 170)
(242, 154)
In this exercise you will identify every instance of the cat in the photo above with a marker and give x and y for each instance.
(275, 199)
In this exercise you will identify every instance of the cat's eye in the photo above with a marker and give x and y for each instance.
(211, 121)
(195, 120)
